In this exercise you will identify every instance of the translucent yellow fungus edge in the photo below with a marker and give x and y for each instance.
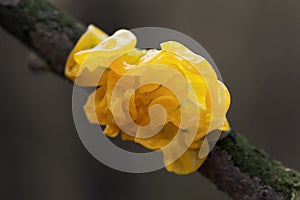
(115, 56)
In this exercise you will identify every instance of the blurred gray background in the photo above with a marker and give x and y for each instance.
(254, 43)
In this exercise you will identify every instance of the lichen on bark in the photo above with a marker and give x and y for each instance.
(259, 164)
(238, 168)
(247, 172)
(40, 25)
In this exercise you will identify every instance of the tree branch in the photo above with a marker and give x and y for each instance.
(50, 32)
(235, 166)
(244, 171)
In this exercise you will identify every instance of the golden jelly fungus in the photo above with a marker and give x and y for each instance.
(129, 108)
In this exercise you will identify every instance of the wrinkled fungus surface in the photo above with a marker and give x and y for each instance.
(130, 83)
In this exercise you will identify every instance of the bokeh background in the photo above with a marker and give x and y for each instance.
(254, 43)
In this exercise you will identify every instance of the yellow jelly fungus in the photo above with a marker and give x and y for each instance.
(115, 58)
(91, 38)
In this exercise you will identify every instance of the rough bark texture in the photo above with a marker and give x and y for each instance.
(42, 27)
(236, 167)
(246, 172)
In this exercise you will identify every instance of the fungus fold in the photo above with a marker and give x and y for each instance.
(131, 82)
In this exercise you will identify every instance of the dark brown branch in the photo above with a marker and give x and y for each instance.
(37, 64)
(50, 32)
(235, 166)
(246, 172)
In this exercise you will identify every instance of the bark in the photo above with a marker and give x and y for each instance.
(235, 166)
(244, 171)
(50, 32)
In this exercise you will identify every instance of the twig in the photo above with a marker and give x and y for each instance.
(50, 32)
(236, 167)
(37, 64)
(244, 171)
